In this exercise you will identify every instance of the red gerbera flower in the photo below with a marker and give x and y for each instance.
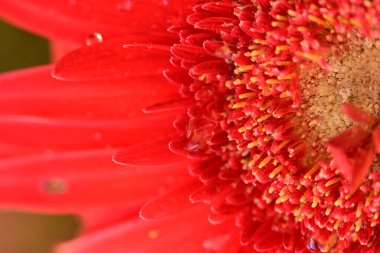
(277, 118)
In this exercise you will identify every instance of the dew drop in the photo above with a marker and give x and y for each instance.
(54, 186)
(124, 5)
(93, 39)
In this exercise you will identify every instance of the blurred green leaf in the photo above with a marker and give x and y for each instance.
(19, 49)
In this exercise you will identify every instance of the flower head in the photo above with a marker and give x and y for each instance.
(277, 117)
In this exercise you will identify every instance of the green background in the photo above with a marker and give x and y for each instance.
(22, 232)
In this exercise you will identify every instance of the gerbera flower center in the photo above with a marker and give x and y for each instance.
(354, 79)
(267, 119)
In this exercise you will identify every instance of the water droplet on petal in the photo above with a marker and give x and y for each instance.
(54, 186)
(124, 5)
(165, 2)
(93, 39)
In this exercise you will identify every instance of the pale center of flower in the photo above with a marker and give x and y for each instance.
(354, 79)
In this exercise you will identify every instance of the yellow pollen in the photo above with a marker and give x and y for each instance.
(282, 144)
(282, 18)
(275, 171)
(328, 18)
(283, 63)
(278, 24)
(242, 129)
(336, 225)
(288, 77)
(302, 29)
(303, 199)
(247, 95)
(282, 199)
(315, 202)
(328, 210)
(332, 181)
(294, 151)
(238, 82)
(358, 224)
(264, 162)
(292, 13)
(338, 202)
(310, 56)
(356, 23)
(281, 48)
(311, 171)
(253, 79)
(238, 105)
(285, 94)
(256, 53)
(261, 42)
(245, 68)
(265, 117)
(369, 198)
(319, 21)
(358, 212)
(272, 81)
(252, 144)
(268, 138)
(266, 106)
(254, 160)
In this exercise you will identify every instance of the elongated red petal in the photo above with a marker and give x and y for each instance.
(81, 182)
(153, 152)
(40, 134)
(74, 20)
(177, 234)
(113, 59)
(35, 92)
(172, 202)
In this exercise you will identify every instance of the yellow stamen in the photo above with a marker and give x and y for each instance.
(264, 162)
(282, 144)
(358, 212)
(265, 117)
(252, 144)
(245, 68)
(281, 48)
(272, 81)
(287, 77)
(253, 79)
(315, 202)
(265, 106)
(319, 21)
(246, 95)
(238, 105)
(261, 42)
(332, 181)
(310, 56)
(275, 171)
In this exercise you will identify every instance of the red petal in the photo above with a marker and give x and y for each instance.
(351, 155)
(376, 138)
(41, 134)
(154, 152)
(113, 59)
(81, 181)
(170, 203)
(28, 92)
(358, 115)
(74, 20)
(181, 233)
